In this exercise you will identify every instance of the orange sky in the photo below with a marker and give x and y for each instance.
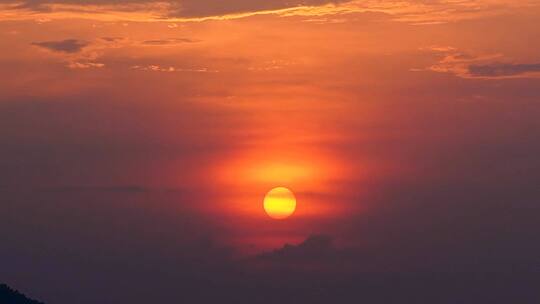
(234, 100)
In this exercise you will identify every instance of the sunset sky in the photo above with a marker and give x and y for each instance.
(138, 139)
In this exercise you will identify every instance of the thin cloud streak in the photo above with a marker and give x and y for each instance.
(413, 12)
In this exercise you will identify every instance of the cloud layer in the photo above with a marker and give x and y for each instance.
(184, 8)
(414, 11)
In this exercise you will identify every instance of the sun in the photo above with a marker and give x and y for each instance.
(279, 203)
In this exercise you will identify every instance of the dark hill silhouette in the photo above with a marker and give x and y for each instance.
(10, 296)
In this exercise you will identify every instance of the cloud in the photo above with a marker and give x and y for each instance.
(209, 8)
(168, 41)
(467, 64)
(413, 12)
(170, 69)
(112, 39)
(503, 69)
(64, 46)
(314, 247)
(85, 65)
(171, 8)
(318, 253)
(80, 54)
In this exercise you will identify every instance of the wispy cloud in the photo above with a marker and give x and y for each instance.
(78, 54)
(158, 68)
(467, 64)
(412, 11)
(171, 41)
(85, 65)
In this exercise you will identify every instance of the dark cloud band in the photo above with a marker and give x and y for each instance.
(501, 69)
(63, 46)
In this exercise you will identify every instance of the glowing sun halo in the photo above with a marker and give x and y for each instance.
(279, 203)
